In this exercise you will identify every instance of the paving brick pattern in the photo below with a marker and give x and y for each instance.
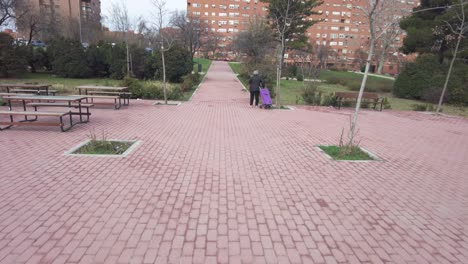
(215, 181)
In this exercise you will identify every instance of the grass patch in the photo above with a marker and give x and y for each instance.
(104, 147)
(346, 153)
(204, 62)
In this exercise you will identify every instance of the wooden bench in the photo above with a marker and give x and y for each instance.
(117, 100)
(373, 98)
(11, 94)
(27, 122)
(40, 92)
(74, 105)
(124, 95)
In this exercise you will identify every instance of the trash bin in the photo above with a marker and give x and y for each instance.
(199, 68)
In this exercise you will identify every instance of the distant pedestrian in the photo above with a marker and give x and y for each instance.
(255, 82)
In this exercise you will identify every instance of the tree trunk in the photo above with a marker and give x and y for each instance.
(278, 74)
(352, 131)
(164, 76)
(128, 60)
(460, 36)
(381, 63)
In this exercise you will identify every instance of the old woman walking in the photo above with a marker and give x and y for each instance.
(255, 82)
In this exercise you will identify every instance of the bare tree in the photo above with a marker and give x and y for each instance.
(210, 43)
(120, 19)
(191, 31)
(459, 30)
(9, 10)
(321, 53)
(165, 41)
(256, 42)
(30, 23)
(371, 11)
(389, 29)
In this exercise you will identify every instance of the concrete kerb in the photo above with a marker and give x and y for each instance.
(374, 157)
(135, 144)
(169, 103)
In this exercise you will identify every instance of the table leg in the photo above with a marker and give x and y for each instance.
(71, 114)
(24, 108)
(10, 109)
(79, 108)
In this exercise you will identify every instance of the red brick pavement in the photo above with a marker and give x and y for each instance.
(215, 181)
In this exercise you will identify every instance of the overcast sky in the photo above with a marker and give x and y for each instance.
(143, 8)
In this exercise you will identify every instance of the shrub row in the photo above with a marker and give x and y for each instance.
(151, 89)
(68, 58)
(424, 80)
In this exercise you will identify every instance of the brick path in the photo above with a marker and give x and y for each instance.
(215, 181)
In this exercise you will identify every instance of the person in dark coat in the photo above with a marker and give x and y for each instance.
(255, 82)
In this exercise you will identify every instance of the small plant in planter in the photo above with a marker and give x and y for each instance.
(347, 152)
(103, 146)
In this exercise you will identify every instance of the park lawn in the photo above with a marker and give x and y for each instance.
(62, 85)
(204, 62)
(291, 92)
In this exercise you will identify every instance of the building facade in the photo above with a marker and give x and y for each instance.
(64, 16)
(226, 17)
(342, 28)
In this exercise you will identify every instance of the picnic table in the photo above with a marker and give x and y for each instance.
(25, 88)
(106, 92)
(68, 102)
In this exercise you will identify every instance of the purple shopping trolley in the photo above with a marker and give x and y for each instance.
(266, 99)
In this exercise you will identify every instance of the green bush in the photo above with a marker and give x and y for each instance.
(300, 78)
(117, 60)
(68, 58)
(175, 93)
(190, 82)
(134, 86)
(329, 100)
(386, 104)
(38, 58)
(178, 64)
(13, 60)
(424, 79)
(153, 91)
(312, 95)
(97, 58)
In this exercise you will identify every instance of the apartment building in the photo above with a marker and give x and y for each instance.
(226, 17)
(63, 13)
(342, 27)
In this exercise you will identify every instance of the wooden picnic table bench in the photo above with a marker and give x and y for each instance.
(74, 105)
(63, 101)
(121, 92)
(373, 98)
(117, 100)
(28, 87)
(29, 122)
(40, 92)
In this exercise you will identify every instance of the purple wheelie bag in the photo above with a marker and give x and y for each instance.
(265, 96)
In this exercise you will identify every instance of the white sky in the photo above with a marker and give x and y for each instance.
(144, 8)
